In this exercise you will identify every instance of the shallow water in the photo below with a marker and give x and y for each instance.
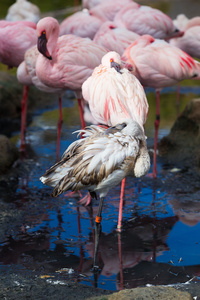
(54, 237)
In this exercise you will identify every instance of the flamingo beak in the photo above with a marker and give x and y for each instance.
(116, 66)
(42, 46)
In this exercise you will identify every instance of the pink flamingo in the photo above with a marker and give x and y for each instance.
(190, 41)
(100, 161)
(114, 38)
(65, 62)
(15, 39)
(114, 94)
(107, 10)
(81, 24)
(92, 3)
(158, 64)
(23, 10)
(146, 20)
(26, 75)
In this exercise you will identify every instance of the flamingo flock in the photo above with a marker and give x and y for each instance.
(107, 54)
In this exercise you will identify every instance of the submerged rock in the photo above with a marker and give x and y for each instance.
(181, 146)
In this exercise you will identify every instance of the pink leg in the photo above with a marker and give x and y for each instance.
(60, 121)
(119, 226)
(81, 114)
(178, 99)
(157, 122)
(23, 116)
(120, 262)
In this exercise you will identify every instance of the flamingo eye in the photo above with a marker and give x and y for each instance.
(44, 32)
(111, 60)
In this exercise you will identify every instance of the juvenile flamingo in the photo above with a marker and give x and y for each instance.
(114, 94)
(158, 64)
(23, 10)
(114, 38)
(81, 24)
(65, 62)
(146, 20)
(98, 162)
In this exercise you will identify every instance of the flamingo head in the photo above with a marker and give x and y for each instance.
(47, 32)
(42, 45)
(112, 60)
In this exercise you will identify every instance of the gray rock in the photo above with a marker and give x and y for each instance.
(8, 154)
(150, 293)
(182, 144)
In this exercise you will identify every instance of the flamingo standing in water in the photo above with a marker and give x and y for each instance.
(158, 64)
(15, 39)
(26, 75)
(146, 20)
(114, 38)
(114, 94)
(100, 161)
(81, 24)
(65, 62)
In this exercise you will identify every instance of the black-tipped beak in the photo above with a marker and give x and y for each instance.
(42, 46)
(116, 66)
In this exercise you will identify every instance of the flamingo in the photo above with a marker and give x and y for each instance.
(190, 41)
(65, 62)
(114, 94)
(92, 3)
(107, 10)
(114, 38)
(26, 75)
(15, 39)
(81, 24)
(98, 162)
(23, 10)
(146, 20)
(158, 64)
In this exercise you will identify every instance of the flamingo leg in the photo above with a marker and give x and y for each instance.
(23, 116)
(60, 121)
(97, 235)
(120, 262)
(157, 122)
(81, 113)
(119, 226)
(178, 99)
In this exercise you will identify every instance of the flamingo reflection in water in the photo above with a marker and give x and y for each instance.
(138, 242)
(100, 161)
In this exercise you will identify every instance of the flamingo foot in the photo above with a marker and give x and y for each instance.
(86, 200)
(73, 194)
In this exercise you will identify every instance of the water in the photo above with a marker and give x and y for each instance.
(54, 237)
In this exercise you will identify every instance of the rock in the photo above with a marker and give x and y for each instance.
(181, 146)
(151, 293)
(8, 154)
(10, 102)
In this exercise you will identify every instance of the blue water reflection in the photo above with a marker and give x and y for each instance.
(158, 227)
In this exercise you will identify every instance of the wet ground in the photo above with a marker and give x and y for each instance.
(50, 240)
